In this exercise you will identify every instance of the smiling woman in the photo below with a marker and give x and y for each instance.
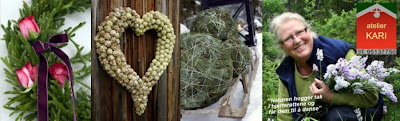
(298, 47)
(297, 78)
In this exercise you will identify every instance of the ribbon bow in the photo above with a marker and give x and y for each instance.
(39, 47)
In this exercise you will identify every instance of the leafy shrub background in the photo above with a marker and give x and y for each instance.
(330, 18)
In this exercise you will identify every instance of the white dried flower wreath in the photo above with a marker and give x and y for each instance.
(113, 60)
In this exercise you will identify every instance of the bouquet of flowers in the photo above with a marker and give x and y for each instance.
(32, 47)
(352, 76)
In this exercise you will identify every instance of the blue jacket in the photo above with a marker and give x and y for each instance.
(333, 50)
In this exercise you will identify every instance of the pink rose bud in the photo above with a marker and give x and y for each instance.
(58, 72)
(26, 75)
(28, 27)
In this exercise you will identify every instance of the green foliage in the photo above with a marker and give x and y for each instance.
(392, 107)
(270, 9)
(270, 85)
(271, 49)
(60, 103)
(339, 26)
(375, 1)
(319, 10)
(49, 15)
(188, 9)
(271, 55)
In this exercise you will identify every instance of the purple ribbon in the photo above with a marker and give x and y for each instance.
(39, 47)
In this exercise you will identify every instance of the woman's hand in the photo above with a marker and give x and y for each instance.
(319, 88)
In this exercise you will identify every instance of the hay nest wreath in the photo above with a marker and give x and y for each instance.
(240, 55)
(219, 24)
(113, 60)
(206, 70)
(216, 22)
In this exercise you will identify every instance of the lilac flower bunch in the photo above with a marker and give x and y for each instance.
(352, 76)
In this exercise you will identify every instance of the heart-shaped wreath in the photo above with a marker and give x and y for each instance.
(113, 60)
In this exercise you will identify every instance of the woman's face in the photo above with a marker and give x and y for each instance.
(296, 40)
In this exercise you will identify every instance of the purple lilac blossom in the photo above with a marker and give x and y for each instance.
(380, 84)
(357, 85)
(340, 83)
(341, 66)
(362, 75)
(384, 109)
(330, 71)
(363, 62)
(356, 88)
(377, 70)
(314, 67)
(358, 62)
(344, 72)
(387, 89)
(355, 61)
(372, 80)
(392, 97)
(351, 74)
(358, 91)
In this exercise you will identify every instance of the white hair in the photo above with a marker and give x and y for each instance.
(278, 20)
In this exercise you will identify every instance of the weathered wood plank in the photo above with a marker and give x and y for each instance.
(174, 70)
(101, 89)
(111, 101)
(247, 78)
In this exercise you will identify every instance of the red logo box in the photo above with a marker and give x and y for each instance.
(376, 29)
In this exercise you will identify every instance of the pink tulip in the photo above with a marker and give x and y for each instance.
(58, 72)
(28, 26)
(27, 75)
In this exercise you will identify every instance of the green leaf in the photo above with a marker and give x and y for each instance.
(27, 90)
